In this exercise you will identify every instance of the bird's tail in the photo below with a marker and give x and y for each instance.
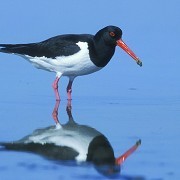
(10, 146)
(9, 48)
(17, 48)
(2, 145)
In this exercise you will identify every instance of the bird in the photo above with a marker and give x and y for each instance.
(72, 142)
(72, 55)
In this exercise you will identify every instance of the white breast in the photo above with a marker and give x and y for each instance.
(77, 138)
(74, 65)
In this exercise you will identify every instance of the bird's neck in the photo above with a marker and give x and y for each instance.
(100, 52)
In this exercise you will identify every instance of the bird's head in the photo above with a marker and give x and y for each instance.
(112, 36)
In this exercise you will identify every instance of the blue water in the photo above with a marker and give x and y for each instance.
(123, 120)
(124, 102)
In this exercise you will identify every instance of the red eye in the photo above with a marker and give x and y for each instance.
(112, 34)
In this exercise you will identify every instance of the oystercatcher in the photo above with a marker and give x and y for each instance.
(72, 142)
(72, 55)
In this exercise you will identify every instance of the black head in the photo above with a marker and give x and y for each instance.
(110, 35)
(101, 154)
(105, 41)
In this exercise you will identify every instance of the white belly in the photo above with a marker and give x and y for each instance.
(73, 65)
(75, 137)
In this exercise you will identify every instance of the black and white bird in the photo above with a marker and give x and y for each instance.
(72, 55)
(72, 142)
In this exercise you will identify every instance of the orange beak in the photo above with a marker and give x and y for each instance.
(123, 157)
(121, 44)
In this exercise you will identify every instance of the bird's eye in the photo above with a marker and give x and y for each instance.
(112, 34)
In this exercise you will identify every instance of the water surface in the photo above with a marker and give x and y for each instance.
(122, 120)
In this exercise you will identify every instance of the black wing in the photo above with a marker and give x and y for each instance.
(62, 45)
(49, 151)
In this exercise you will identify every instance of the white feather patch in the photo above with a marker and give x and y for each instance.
(77, 138)
(74, 65)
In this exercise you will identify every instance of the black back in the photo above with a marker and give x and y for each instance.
(101, 46)
(63, 45)
(49, 151)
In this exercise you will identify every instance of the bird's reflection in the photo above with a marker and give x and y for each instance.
(72, 142)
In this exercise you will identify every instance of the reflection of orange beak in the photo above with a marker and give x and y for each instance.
(121, 44)
(123, 157)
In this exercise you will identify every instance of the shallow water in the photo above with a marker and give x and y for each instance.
(122, 120)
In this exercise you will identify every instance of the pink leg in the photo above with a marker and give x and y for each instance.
(55, 87)
(55, 112)
(69, 88)
(68, 108)
(69, 112)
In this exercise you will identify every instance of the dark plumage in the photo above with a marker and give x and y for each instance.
(72, 55)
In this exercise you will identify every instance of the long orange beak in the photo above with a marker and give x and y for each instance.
(121, 44)
(123, 157)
